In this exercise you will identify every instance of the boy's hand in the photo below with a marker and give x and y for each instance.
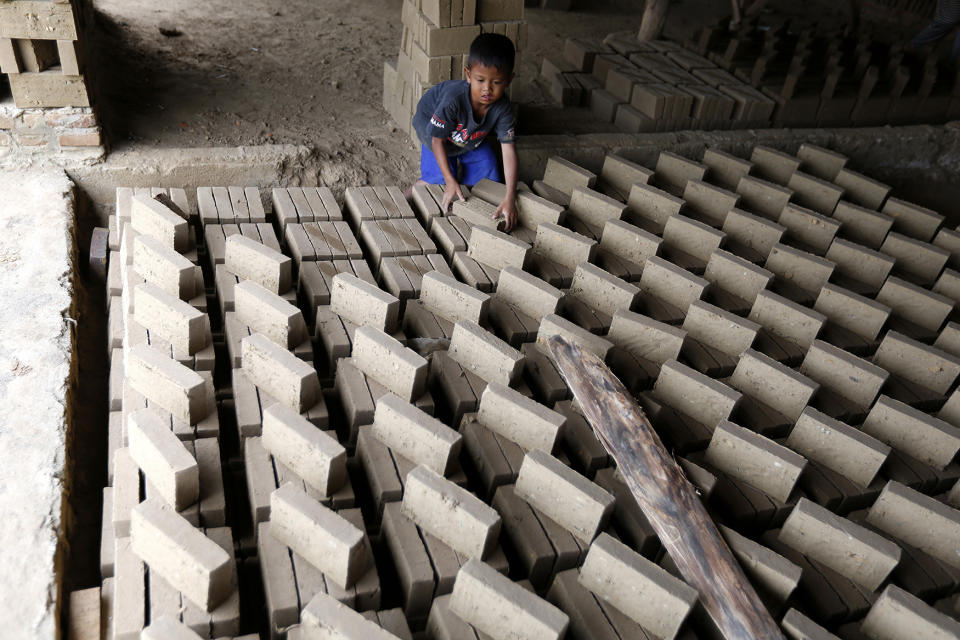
(451, 191)
(508, 211)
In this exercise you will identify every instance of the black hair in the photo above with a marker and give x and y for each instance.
(492, 50)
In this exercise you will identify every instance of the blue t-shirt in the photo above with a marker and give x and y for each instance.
(445, 112)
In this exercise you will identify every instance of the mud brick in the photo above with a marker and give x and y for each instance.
(708, 203)
(37, 55)
(898, 614)
(777, 386)
(762, 197)
(303, 448)
(483, 354)
(710, 105)
(601, 291)
(562, 246)
(48, 21)
(522, 420)
(751, 237)
(918, 306)
(848, 548)
(815, 193)
(620, 81)
(604, 105)
(913, 220)
(705, 400)
(363, 303)
(173, 320)
(402, 276)
(497, 249)
(129, 586)
(929, 440)
(494, 605)
(280, 373)
(415, 435)
(921, 364)
(645, 337)
(661, 102)
(918, 520)
(920, 261)
(673, 285)
(628, 242)
(580, 52)
(948, 284)
(267, 313)
(612, 570)
(604, 63)
(251, 260)
(564, 175)
(333, 240)
(452, 514)
(673, 171)
(168, 383)
(807, 229)
(381, 357)
(589, 617)
(857, 314)
(531, 208)
(800, 627)
(684, 235)
(165, 268)
(775, 576)
(651, 205)
(621, 174)
(585, 507)
(84, 617)
(593, 208)
(191, 562)
(47, 89)
(565, 90)
(530, 295)
(853, 378)
(862, 190)
(736, 282)
(859, 268)
(376, 203)
(453, 300)
(164, 459)
(754, 459)
(555, 325)
(325, 539)
(9, 59)
(822, 163)
(862, 225)
(476, 211)
(800, 275)
(773, 165)
(451, 234)
(166, 627)
(724, 169)
(720, 330)
(160, 218)
(950, 240)
(324, 615)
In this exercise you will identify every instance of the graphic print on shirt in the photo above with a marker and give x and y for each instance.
(460, 137)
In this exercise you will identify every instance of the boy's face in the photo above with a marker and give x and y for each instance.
(487, 84)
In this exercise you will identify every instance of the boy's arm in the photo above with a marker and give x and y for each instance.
(452, 188)
(508, 208)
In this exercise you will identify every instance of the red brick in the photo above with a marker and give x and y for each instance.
(71, 120)
(89, 139)
(33, 120)
(31, 140)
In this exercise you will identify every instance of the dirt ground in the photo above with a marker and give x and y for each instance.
(309, 72)
(225, 73)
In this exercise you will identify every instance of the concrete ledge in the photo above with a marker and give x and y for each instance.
(36, 367)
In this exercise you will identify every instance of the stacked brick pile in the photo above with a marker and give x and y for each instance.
(436, 37)
(410, 459)
(651, 86)
(41, 55)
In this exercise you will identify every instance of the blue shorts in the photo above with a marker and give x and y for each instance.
(471, 167)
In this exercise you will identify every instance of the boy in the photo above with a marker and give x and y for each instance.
(453, 119)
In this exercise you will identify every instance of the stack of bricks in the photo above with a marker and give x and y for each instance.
(42, 57)
(833, 80)
(436, 38)
(786, 322)
(651, 86)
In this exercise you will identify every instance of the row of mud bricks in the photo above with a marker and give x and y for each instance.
(751, 77)
(434, 44)
(339, 415)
